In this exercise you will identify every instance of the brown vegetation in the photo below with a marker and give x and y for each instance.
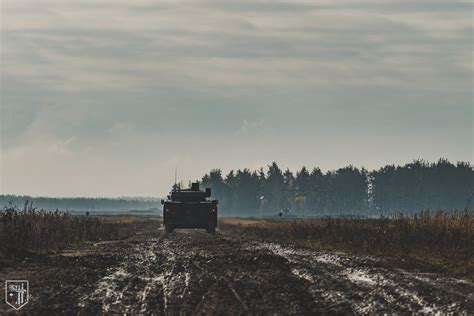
(445, 239)
(27, 230)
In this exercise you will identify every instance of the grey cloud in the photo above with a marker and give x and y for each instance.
(147, 85)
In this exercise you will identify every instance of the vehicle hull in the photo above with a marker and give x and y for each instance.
(190, 215)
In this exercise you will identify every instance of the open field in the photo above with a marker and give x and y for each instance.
(442, 240)
(31, 231)
(235, 271)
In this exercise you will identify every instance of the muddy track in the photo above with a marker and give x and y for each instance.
(190, 272)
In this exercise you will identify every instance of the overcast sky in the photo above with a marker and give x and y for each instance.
(106, 98)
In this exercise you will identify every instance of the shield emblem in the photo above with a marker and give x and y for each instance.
(16, 293)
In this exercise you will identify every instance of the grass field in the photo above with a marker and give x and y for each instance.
(28, 230)
(442, 239)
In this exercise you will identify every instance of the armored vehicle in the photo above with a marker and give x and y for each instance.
(190, 208)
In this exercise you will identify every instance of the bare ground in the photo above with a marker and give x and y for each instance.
(190, 272)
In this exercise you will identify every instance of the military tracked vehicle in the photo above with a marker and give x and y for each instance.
(190, 208)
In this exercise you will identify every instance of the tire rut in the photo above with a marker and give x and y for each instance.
(367, 285)
(191, 272)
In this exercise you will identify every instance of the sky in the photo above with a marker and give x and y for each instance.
(107, 98)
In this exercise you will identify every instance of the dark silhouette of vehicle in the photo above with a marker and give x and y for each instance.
(190, 208)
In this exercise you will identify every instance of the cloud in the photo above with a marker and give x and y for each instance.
(62, 146)
(151, 83)
(131, 45)
(249, 127)
(120, 128)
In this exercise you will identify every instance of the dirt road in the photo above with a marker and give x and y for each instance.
(190, 272)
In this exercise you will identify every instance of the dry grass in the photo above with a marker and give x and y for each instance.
(442, 238)
(130, 219)
(29, 230)
(243, 221)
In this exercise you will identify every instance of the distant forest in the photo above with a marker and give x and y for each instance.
(309, 192)
(82, 204)
(348, 190)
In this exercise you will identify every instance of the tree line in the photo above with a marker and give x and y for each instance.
(349, 190)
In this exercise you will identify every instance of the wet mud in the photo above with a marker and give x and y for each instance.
(191, 272)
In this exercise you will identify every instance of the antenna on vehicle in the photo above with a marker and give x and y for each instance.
(175, 176)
